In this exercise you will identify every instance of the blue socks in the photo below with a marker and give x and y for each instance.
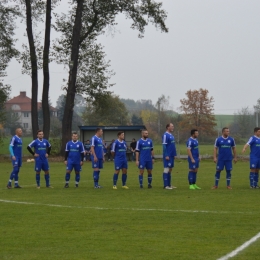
(190, 178)
(165, 179)
(67, 177)
(38, 179)
(14, 175)
(47, 179)
(256, 177)
(217, 176)
(124, 178)
(228, 176)
(141, 180)
(150, 178)
(169, 179)
(77, 178)
(95, 177)
(115, 178)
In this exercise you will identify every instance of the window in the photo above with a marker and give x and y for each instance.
(26, 114)
(25, 125)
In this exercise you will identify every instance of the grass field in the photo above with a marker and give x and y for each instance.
(88, 223)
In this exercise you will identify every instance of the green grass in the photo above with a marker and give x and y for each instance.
(87, 223)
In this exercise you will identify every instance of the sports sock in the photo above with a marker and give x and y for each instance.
(217, 176)
(11, 177)
(251, 178)
(115, 177)
(77, 178)
(95, 177)
(228, 177)
(67, 177)
(16, 171)
(194, 177)
(37, 179)
(150, 178)
(165, 179)
(141, 180)
(169, 179)
(190, 177)
(124, 178)
(47, 179)
(256, 177)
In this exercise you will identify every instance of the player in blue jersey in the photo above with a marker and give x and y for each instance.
(42, 149)
(254, 143)
(169, 154)
(97, 156)
(118, 150)
(74, 156)
(193, 158)
(145, 158)
(15, 148)
(224, 153)
(87, 147)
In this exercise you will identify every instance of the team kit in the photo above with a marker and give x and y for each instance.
(224, 155)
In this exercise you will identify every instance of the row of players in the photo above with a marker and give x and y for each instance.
(224, 154)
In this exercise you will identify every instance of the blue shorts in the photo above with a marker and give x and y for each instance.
(148, 165)
(168, 163)
(120, 165)
(254, 163)
(75, 166)
(41, 165)
(98, 164)
(17, 162)
(227, 164)
(194, 165)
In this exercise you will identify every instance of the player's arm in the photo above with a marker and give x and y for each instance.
(234, 153)
(215, 154)
(48, 151)
(137, 153)
(190, 154)
(66, 157)
(82, 154)
(11, 150)
(152, 154)
(30, 150)
(245, 147)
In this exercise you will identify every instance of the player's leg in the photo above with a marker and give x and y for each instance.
(124, 167)
(69, 168)
(195, 175)
(166, 164)
(149, 168)
(116, 173)
(77, 169)
(253, 171)
(191, 174)
(15, 166)
(37, 169)
(45, 168)
(141, 173)
(228, 167)
(256, 178)
(97, 173)
(219, 168)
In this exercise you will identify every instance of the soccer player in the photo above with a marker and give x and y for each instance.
(74, 156)
(97, 156)
(224, 146)
(169, 154)
(145, 158)
(193, 158)
(42, 149)
(87, 148)
(254, 143)
(15, 148)
(119, 152)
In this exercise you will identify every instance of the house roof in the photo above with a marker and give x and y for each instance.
(23, 102)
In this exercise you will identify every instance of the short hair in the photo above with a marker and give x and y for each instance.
(87, 140)
(120, 132)
(74, 133)
(144, 130)
(168, 125)
(98, 129)
(38, 131)
(192, 132)
(224, 128)
(133, 139)
(256, 129)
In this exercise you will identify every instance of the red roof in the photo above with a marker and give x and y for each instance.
(23, 102)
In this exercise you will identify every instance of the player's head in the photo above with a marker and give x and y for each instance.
(257, 131)
(169, 127)
(121, 135)
(40, 134)
(194, 133)
(87, 141)
(74, 136)
(99, 132)
(133, 140)
(18, 132)
(144, 134)
(225, 131)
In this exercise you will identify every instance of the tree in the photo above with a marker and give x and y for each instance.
(108, 111)
(197, 111)
(136, 120)
(12, 121)
(90, 18)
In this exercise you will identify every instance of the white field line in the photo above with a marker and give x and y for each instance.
(241, 248)
(129, 209)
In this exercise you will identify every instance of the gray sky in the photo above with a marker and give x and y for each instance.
(211, 44)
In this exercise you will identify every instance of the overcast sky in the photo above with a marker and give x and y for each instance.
(211, 44)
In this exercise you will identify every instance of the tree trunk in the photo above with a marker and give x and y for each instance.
(69, 105)
(34, 68)
(46, 73)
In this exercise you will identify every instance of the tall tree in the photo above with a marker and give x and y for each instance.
(197, 111)
(91, 17)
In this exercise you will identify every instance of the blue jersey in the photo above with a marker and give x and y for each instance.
(17, 144)
(144, 147)
(40, 147)
(105, 148)
(224, 146)
(96, 142)
(75, 150)
(193, 145)
(169, 142)
(119, 148)
(254, 143)
(87, 147)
